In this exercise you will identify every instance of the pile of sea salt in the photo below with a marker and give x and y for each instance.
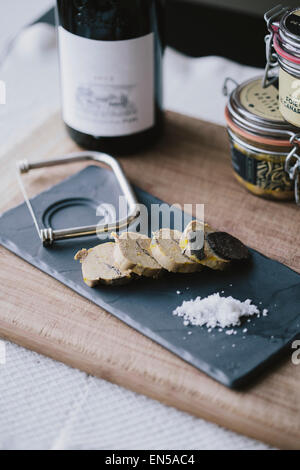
(216, 311)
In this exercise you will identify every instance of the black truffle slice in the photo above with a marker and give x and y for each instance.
(227, 247)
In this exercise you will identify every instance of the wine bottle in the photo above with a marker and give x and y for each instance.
(111, 72)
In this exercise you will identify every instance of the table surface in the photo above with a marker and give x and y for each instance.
(45, 404)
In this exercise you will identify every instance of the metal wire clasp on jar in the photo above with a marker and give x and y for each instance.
(264, 147)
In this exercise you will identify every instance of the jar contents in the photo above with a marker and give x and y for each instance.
(262, 173)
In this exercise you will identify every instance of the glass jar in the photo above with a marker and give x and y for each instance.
(283, 50)
(262, 143)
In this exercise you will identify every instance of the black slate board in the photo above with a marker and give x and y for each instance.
(147, 306)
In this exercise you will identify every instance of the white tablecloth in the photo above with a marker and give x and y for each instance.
(45, 404)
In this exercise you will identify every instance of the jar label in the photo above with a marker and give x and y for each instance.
(289, 97)
(265, 174)
(244, 165)
(260, 101)
(107, 86)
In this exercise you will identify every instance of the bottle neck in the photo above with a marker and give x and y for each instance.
(109, 20)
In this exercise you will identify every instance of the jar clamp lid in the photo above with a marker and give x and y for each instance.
(252, 112)
(272, 18)
(292, 166)
(282, 42)
(255, 110)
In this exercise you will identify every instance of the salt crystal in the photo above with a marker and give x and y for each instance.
(265, 312)
(215, 311)
(178, 292)
(245, 330)
(229, 332)
(189, 332)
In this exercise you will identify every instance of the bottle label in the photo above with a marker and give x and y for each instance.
(107, 86)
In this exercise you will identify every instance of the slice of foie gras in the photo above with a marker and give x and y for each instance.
(167, 252)
(132, 251)
(99, 267)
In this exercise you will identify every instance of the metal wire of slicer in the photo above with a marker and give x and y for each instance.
(48, 235)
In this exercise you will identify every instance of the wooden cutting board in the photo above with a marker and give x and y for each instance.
(190, 165)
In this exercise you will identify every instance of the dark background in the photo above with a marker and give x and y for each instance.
(230, 28)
